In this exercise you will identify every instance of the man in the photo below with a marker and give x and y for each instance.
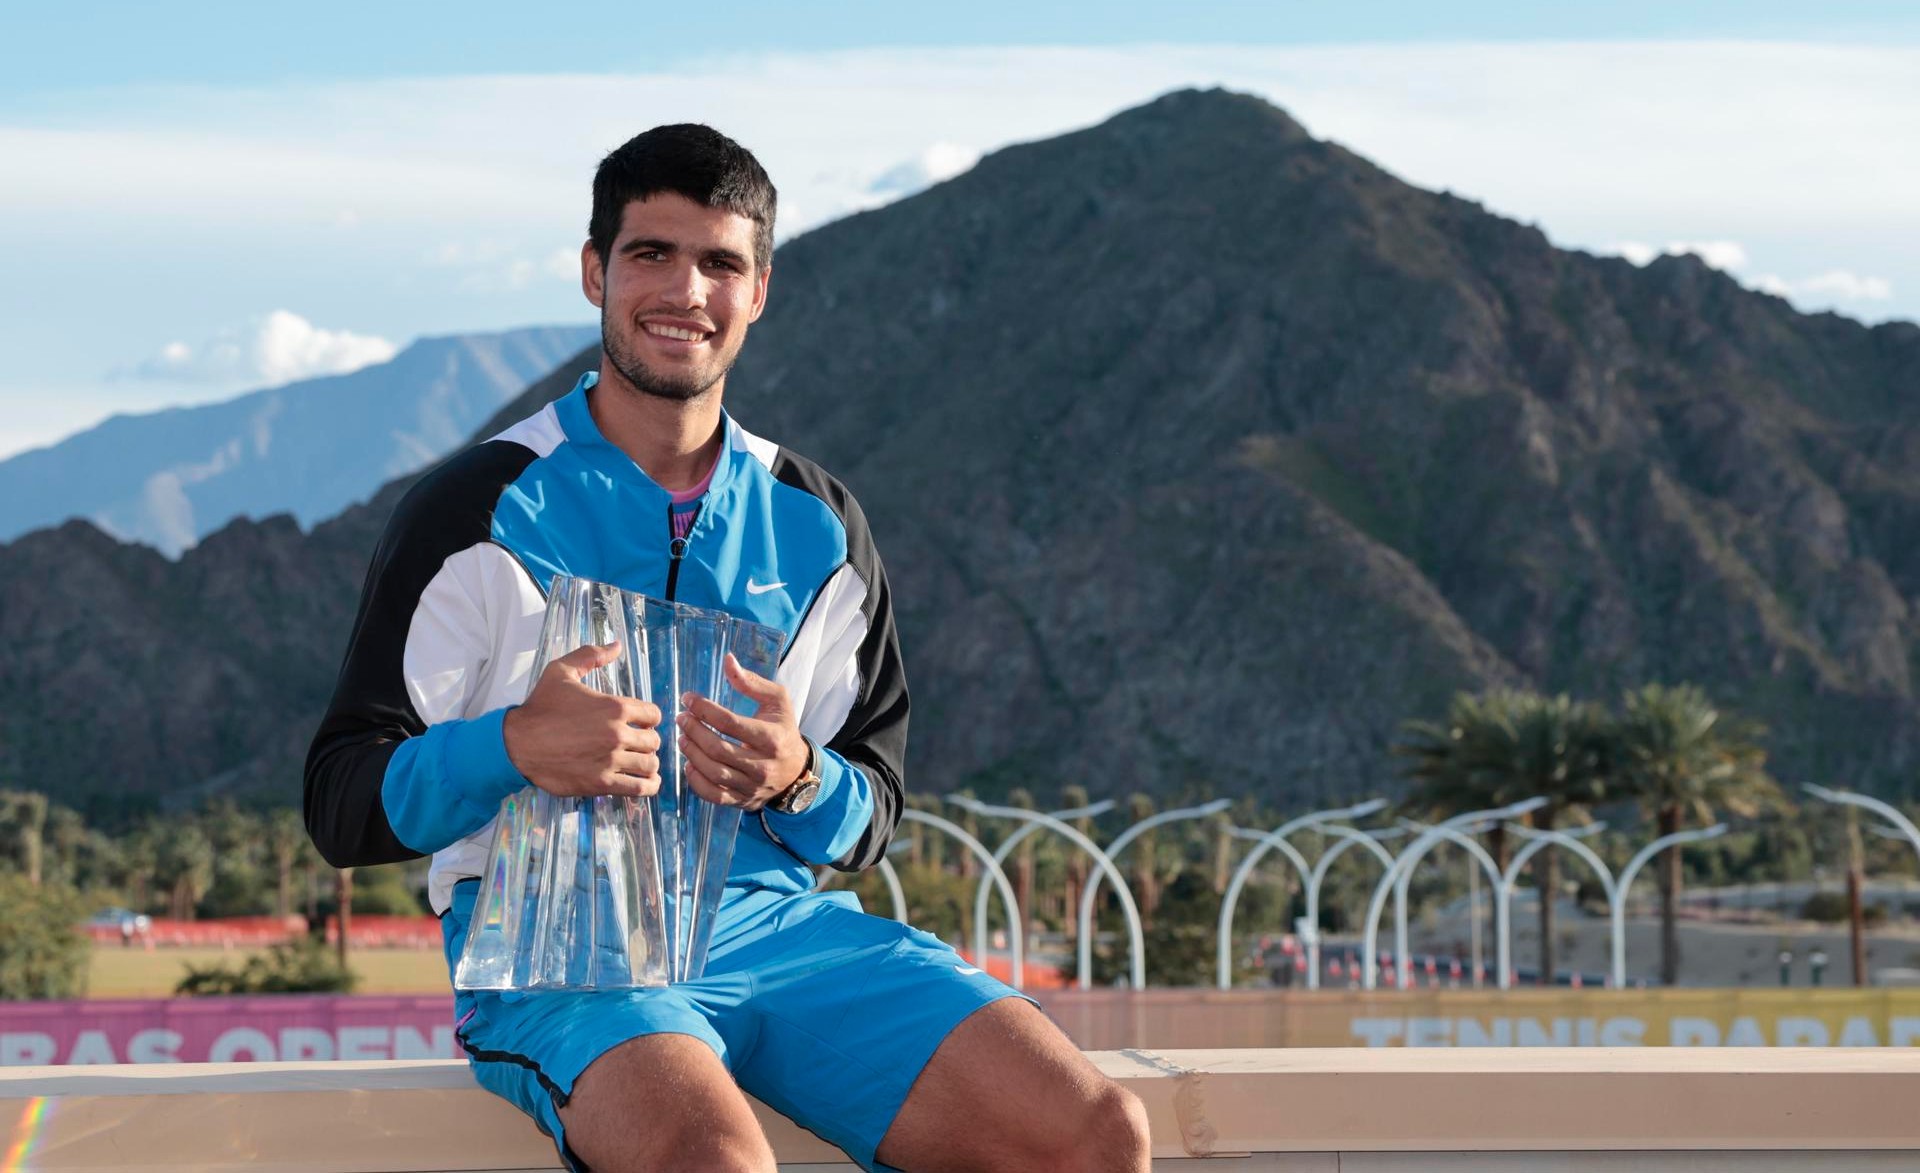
(873, 1035)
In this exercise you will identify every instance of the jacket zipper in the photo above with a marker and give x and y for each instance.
(676, 550)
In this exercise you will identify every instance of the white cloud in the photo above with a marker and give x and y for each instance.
(937, 164)
(1844, 286)
(329, 195)
(278, 347)
(1832, 289)
(490, 266)
(1721, 254)
(1825, 290)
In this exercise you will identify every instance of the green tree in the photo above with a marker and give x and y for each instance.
(1511, 745)
(291, 847)
(23, 821)
(1465, 762)
(43, 952)
(184, 867)
(1678, 755)
(1146, 877)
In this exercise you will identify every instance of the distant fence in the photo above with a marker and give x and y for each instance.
(258, 932)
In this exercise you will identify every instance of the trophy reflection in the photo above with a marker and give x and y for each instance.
(594, 893)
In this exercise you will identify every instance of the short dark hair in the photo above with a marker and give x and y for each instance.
(690, 160)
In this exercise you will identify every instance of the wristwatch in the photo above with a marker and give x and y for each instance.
(800, 795)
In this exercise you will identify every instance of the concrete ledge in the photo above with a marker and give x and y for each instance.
(1299, 1111)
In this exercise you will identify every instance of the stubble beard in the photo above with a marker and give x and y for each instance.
(648, 381)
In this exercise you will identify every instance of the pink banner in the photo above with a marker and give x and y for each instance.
(259, 1028)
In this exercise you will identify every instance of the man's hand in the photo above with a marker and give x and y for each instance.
(765, 755)
(573, 741)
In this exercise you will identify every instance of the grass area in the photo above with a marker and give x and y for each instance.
(119, 972)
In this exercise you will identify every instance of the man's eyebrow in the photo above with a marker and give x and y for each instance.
(726, 254)
(644, 244)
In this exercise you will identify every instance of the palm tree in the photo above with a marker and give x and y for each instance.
(185, 866)
(1022, 798)
(1465, 762)
(1505, 746)
(287, 834)
(23, 821)
(1679, 755)
(1073, 796)
(1139, 807)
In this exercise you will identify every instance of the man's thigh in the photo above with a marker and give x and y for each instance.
(662, 1101)
(1008, 1090)
(846, 1018)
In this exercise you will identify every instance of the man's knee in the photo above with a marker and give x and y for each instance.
(1106, 1132)
(663, 1102)
(1113, 1132)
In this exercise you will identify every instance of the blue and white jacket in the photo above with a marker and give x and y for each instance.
(410, 759)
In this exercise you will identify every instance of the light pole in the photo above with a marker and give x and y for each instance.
(1018, 947)
(1618, 897)
(1275, 839)
(1348, 838)
(1540, 840)
(1136, 938)
(1120, 844)
(1398, 876)
(1402, 962)
(1885, 810)
(1007, 845)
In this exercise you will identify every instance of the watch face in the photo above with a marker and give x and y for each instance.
(799, 798)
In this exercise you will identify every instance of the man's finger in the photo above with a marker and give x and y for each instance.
(695, 735)
(717, 795)
(644, 714)
(636, 740)
(585, 659)
(756, 687)
(638, 765)
(627, 785)
(724, 721)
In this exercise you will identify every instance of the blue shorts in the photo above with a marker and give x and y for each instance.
(820, 1011)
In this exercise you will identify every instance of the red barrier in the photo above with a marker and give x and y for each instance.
(389, 932)
(217, 933)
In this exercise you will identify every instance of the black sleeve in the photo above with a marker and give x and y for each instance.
(371, 714)
(874, 734)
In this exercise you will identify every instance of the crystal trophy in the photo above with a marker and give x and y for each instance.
(609, 892)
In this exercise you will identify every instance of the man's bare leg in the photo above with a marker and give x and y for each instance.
(663, 1104)
(1008, 1091)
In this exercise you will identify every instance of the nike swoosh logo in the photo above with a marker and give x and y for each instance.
(965, 970)
(761, 588)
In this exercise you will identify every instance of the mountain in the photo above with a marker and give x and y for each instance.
(169, 478)
(1201, 452)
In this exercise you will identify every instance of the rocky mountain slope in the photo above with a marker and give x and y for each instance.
(1201, 453)
(310, 448)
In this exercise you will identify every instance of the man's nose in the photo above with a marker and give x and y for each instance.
(688, 288)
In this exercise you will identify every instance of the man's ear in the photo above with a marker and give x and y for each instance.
(760, 294)
(593, 276)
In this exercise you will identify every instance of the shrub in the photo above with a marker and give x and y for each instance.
(303, 966)
(43, 952)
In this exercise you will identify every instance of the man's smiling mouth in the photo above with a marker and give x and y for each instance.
(678, 333)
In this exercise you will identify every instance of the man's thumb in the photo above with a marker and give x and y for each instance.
(586, 658)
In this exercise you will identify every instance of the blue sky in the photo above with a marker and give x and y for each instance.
(204, 201)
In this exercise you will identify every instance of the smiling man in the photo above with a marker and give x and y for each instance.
(875, 1036)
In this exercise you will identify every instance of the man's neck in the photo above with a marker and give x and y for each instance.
(674, 441)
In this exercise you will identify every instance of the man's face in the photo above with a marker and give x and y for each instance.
(676, 294)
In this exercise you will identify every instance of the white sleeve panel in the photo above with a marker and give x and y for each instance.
(821, 671)
(452, 664)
